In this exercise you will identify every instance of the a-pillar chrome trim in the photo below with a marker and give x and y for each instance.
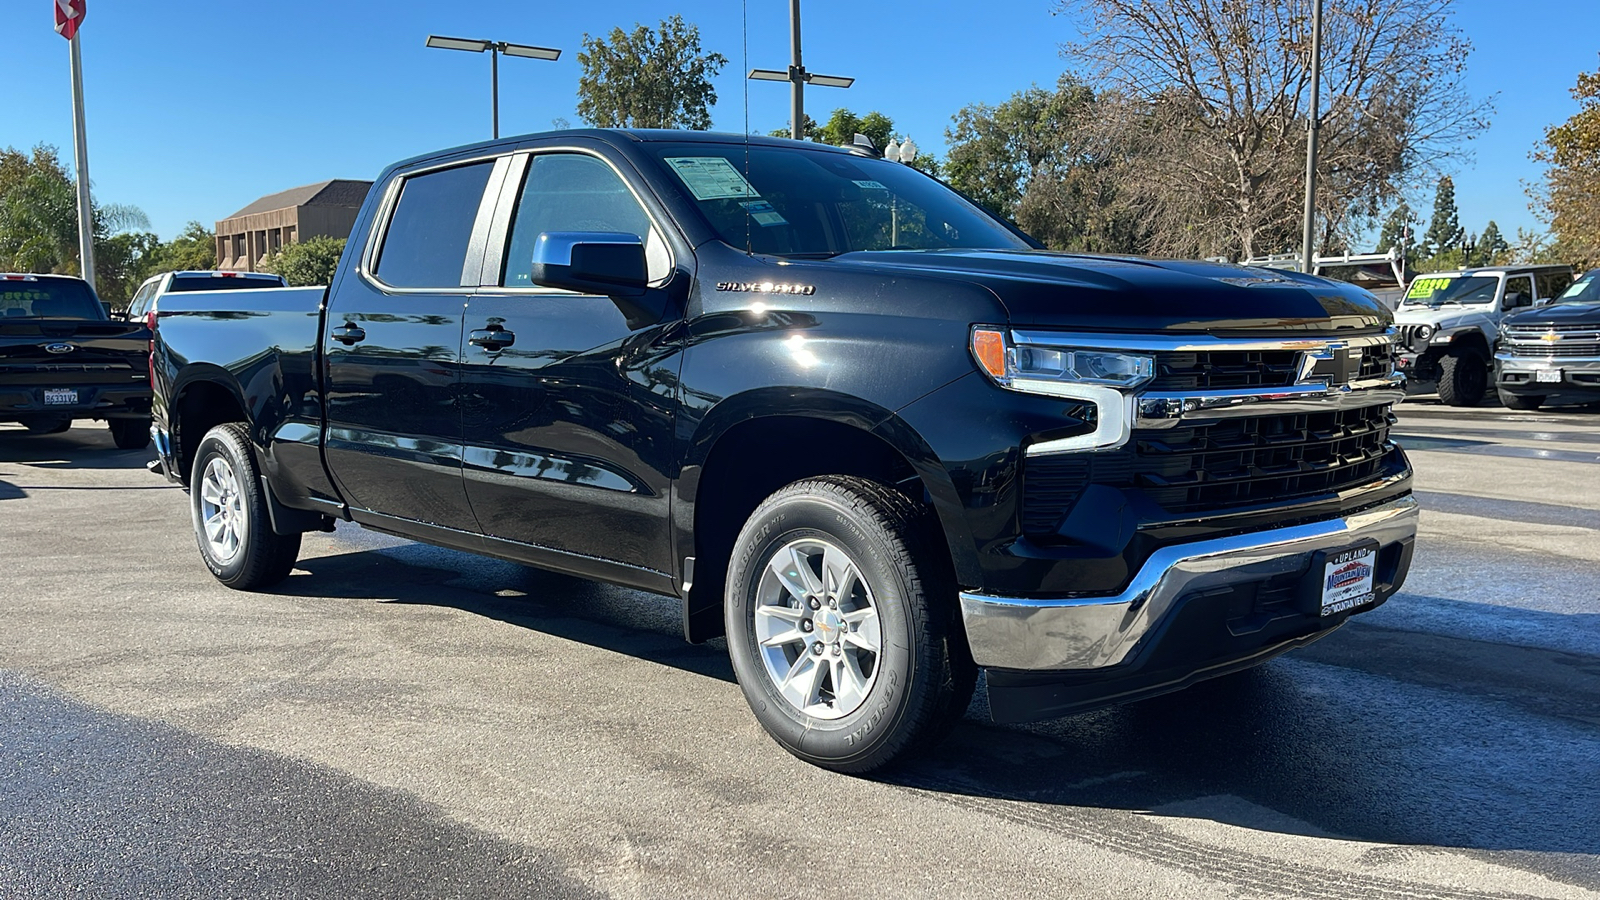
(1052, 634)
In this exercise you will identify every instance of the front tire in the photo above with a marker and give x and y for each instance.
(130, 434)
(1523, 402)
(1463, 378)
(231, 523)
(841, 624)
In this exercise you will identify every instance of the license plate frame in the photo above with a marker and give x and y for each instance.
(1341, 581)
(1547, 376)
(61, 397)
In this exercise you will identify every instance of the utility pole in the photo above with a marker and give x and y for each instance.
(80, 161)
(1313, 123)
(798, 77)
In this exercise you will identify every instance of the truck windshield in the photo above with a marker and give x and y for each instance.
(819, 203)
(48, 298)
(1436, 290)
(1584, 290)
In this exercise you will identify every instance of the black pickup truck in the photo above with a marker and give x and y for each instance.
(62, 358)
(871, 433)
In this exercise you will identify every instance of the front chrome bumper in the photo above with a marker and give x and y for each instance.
(1519, 363)
(1095, 632)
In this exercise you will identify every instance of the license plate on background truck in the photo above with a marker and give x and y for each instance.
(1347, 580)
(60, 397)
(1544, 376)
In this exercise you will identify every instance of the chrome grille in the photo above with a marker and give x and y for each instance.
(1559, 341)
(1204, 369)
(1217, 466)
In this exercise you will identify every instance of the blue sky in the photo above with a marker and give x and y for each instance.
(196, 109)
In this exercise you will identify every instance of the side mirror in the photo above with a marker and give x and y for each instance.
(1517, 300)
(590, 262)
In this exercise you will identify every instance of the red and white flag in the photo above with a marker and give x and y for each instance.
(69, 15)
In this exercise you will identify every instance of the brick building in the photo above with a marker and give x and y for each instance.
(325, 208)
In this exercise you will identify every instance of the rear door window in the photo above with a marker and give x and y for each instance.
(426, 243)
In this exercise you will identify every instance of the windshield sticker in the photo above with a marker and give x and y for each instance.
(763, 213)
(711, 177)
(871, 185)
(1427, 287)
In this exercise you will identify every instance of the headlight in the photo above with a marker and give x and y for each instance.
(1039, 369)
(1423, 333)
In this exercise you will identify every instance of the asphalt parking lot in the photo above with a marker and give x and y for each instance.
(402, 721)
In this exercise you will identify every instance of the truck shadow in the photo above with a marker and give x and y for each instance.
(1302, 746)
(87, 445)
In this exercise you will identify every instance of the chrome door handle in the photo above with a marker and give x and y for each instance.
(348, 334)
(492, 338)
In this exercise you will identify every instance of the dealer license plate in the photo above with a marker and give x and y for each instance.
(60, 397)
(1547, 375)
(1347, 580)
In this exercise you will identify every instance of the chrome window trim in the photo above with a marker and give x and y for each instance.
(511, 193)
(380, 226)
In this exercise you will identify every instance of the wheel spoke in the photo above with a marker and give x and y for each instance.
(804, 677)
(838, 573)
(794, 572)
(210, 491)
(214, 529)
(786, 637)
(849, 685)
(863, 631)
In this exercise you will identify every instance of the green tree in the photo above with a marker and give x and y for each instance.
(195, 248)
(809, 128)
(1399, 228)
(1041, 159)
(648, 79)
(1444, 230)
(1569, 199)
(39, 224)
(309, 262)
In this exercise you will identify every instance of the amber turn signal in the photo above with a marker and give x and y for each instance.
(989, 349)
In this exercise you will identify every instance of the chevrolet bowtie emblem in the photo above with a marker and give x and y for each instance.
(1550, 336)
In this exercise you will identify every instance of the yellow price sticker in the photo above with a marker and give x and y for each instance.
(1426, 287)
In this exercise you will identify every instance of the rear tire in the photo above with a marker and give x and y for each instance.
(1463, 378)
(130, 434)
(842, 625)
(1525, 402)
(229, 507)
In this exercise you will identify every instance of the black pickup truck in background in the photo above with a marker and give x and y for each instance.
(872, 434)
(62, 358)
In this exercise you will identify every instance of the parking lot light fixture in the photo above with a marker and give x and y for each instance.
(495, 48)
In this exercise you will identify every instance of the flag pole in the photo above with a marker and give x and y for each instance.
(80, 153)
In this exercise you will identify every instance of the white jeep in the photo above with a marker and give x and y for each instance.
(1449, 322)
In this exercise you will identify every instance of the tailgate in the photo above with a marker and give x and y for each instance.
(69, 352)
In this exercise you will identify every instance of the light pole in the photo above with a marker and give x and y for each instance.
(798, 77)
(1312, 124)
(902, 153)
(495, 48)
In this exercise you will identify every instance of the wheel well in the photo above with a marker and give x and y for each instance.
(1472, 340)
(201, 407)
(751, 461)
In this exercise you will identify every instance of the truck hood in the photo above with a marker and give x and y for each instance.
(1119, 293)
(1585, 313)
(1444, 317)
